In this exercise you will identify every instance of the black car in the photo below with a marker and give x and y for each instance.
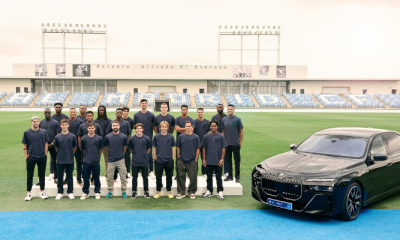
(333, 172)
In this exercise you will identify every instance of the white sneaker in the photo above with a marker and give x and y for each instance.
(71, 196)
(208, 194)
(129, 175)
(59, 196)
(97, 196)
(221, 196)
(43, 195)
(180, 196)
(226, 174)
(214, 175)
(51, 177)
(205, 176)
(139, 175)
(28, 197)
(84, 196)
(152, 176)
(192, 196)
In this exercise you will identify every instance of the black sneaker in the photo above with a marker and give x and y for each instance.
(237, 179)
(79, 181)
(65, 182)
(133, 195)
(38, 183)
(228, 179)
(146, 195)
(56, 181)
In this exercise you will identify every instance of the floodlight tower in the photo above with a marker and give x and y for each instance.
(73, 29)
(242, 32)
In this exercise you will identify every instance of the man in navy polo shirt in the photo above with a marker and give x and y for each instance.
(103, 121)
(52, 127)
(146, 118)
(34, 144)
(116, 142)
(188, 149)
(92, 146)
(66, 145)
(180, 126)
(232, 129)
(164, 116)
(214, 145)
(140, 146)
(219, 116)
(58, 116)
(201, 129)
(82, 115)
(74, 124)
(164, 154)
(125, 113)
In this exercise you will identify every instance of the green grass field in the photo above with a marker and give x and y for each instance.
(265, 135)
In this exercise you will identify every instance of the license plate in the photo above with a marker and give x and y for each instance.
(280, 204)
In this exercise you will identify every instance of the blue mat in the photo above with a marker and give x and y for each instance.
(196, 224)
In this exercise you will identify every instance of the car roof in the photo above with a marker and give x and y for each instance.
(356, 132)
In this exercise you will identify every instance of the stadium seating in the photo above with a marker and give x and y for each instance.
(392, 100)
(3, 94)
(300, 100)
(115, 99)
(364, 101)
(269, 100)
(178, 99)
(207, 99)
(151, 97)
(85, 98)
(239, 100)
(19, 99)
(332, 100)
(48, 99)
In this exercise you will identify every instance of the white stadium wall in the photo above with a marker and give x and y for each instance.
(9, 85)
(143, 86)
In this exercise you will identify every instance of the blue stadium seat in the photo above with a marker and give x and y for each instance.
(19, 99)
(270, 100)
(364, 101)
(178, 99)
(392, 100)
(332, 100)
(207, 99)
(85, 98)
(48, 99)
(239, 100)
(115, 99)
(300, 100)
(2, 94)
(150, 97)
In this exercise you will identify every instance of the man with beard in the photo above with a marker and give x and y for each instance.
(82, 115)
(202, 128)
(74, 124)
(103, 121)
(219, 116)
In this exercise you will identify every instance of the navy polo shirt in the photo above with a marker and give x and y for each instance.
(123, 127)
(130, 121)
(180, 121)
(219, 119)
(164, 144)
(202, 128)
(116, 144)
(139, 146)
(103, 125)
(35, 142)
(51, 127)
(65, 144)
(231, 128)
(74, 126)
(188, 145)
(213, 145)
(91, 147)
(147, 120)
(83, 119)
(82, 131)
(160, 118)
(59, 118)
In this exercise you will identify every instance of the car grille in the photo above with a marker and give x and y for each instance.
(288, 188)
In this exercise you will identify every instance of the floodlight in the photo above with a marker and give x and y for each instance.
(90, 31)
(61, 30)
(249, 32)
(279, 27)
(73, 30)
(231, 26)
(66, 30)
(236, 26)
(226, 27)
(105, 25)
(81, 25)
(93, 25)
(84, 31)
(257, 27)
(263, 27)
(268, 27)
(51, 30)
(42, 24)
(45, 30)
(252, 27)
(56, 30)
(261, 32)
(247, 27)
(59, 24)
(98, 25)
(48, 24)
(274, 27)
(242, 27)
(276, 32)
(70, 25)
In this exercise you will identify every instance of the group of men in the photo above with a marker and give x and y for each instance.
(86, 139)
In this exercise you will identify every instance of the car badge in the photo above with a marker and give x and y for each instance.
(281, 174)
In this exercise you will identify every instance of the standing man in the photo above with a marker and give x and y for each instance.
(201, 129)
(164, 154)
(82, 131)
(219, 116)
(164, 116)
(116, 142)
(214, 145)
(74, 124)
(125, 129)
(35, 145)
(180, 127)
(232, 129)
(52, 127)
(103, 121)
(188, 149)
(140, 147)
(58, 116)
(125, 113)
(82, 113)
(92, 146)
(66, 145)
(146, 118)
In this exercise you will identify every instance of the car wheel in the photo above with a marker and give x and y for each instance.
(352, 202)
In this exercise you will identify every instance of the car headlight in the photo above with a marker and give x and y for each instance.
(321, 188)
(321, 180)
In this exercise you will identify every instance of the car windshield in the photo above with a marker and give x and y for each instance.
(343, 146)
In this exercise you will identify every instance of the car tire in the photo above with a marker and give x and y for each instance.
(352, 203)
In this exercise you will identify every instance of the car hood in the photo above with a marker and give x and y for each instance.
(308, 163)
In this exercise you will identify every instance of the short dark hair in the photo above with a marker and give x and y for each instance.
(220, 104)
(118, 109)
(72, 108)
(115, 121)
(143, 100)
(184, 106)
(138, 125)
(91, 125)
(58, 103)
(89, 112)
(213, 121)
(189, 122)
(82, 105)
(125, 108)
(64, 120)
(200, 109)
(231, 105)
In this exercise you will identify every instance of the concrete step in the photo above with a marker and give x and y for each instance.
(35, 100)
(287, 102)
(347, 100)
(224, 102)
(254, 101)
(316, 100)
(98, 101)
(193, 101)
(384, 104)
(230, 188)
(130, 100)
(4, 98)
(67, 101)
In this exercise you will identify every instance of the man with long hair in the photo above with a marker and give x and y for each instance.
(103, 121)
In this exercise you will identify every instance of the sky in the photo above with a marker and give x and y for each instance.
(335, 39)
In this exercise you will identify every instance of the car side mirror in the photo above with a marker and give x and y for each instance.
(293, 146)
(379, 157)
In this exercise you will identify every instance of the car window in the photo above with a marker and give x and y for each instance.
(393, 142)
(378, 146)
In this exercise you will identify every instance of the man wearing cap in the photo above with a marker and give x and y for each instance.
(35, 145)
